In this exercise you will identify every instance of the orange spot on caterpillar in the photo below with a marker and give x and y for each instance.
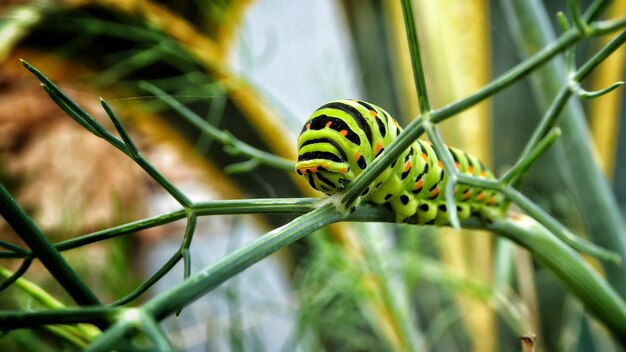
(308, 126)
(419, 184)
(481, 196)
(458, 166)
(467, 194)
(329, 123)
(440, 163)
(324, 165)
(373, 113)
(425, 156)
(313, 169)
(470, 169)
(491, 201)
(343, 170)
(483, 174)
(357, 155)
(435, 192)
(378, 147)
(343, 133)
(407, 166)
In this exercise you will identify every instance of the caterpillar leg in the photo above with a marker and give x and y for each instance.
(426, 212)
(405, 206)
(463, 211)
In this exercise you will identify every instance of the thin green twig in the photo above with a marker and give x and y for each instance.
(231, 144)
(92, 125)
(37, 241)
(151, 328)
(416, 58)
(204, 281)
(8, 281)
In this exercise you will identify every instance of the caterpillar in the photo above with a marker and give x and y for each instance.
(341, 138)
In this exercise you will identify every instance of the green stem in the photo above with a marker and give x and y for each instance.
(151, 328)
(25, 319)
(528, 158)
(222, 137)
(212, 276)
(171, 263)
(416, 59)
(582, 280)
(32, 235)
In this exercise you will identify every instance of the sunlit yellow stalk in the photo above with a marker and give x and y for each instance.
(604, 111)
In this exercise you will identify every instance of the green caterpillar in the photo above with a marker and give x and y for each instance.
(342, 137)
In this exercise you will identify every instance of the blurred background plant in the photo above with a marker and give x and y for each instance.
(257, 69)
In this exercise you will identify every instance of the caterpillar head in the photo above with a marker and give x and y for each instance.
(335, 144)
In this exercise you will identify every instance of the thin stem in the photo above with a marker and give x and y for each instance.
(145, 286)
(151, 328)
(16, 275)
(204, 281)
(184, 248)
(120, 230)
(527, 159)
(37, 241)
(416, 59)
(87, 121)
(132, 148)
(14, 248)
(586, 68)
(21, 319)
(559, 230)
(235, 145)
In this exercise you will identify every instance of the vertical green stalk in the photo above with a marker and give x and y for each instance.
(416, 59)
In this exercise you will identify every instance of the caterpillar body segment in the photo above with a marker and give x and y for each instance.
(342, 137)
